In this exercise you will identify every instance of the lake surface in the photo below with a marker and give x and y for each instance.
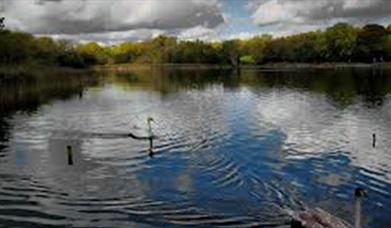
(234, 149)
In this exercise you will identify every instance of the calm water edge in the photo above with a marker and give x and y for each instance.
(235, 149)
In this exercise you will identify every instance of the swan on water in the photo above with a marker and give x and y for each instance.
(318, 218)
(149, 120)
(150, 133)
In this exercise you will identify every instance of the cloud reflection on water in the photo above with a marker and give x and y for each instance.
(226, 144)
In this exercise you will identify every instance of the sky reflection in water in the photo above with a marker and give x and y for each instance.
(232, 149)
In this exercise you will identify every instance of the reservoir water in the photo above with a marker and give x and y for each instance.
(232, 148)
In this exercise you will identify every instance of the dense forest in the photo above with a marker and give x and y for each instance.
(339, 43)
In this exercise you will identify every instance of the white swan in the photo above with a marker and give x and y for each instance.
(318, 218)
(150, 133)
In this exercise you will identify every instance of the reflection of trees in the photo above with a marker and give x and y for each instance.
(169, 80)
(27, 95)
(341, 86)
(4, 135)
(374, 88)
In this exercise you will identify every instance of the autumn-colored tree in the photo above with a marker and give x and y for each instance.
(93, 53)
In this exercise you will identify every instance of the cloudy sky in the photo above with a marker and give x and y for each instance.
(111, 21)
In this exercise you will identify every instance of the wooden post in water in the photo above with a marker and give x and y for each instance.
(151, 146)
(373, 140)
(70, 155)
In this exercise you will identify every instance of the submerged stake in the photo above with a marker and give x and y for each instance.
(70, 155)
(150, 146)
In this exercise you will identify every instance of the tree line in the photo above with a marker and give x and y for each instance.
(339, 43)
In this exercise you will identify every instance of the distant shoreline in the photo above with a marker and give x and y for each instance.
(329, 65)
(20, 71)
(269, 66)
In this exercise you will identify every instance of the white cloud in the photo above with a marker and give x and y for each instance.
(359, 4)
(200, 33)
(308, 11)
(92, 16)
(132, 20)
(273, 12)
(211, 35)
(108, 38)
(301, 118)
(242, 35)
(286, 17)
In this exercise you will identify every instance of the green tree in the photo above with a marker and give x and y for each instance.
(159, 50)
(371, 43)
(195, 52)
(93, 53)
(127, 52)
(16, 47)
(71, 59)
(255, 47)
(321, 47)
(230, 51)
(2, 23)
(67, 55)
(302, 47)
(279, 50)
(46, 49)
(389, 28)
(388, 48)
(341, 42)
(247, 60)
